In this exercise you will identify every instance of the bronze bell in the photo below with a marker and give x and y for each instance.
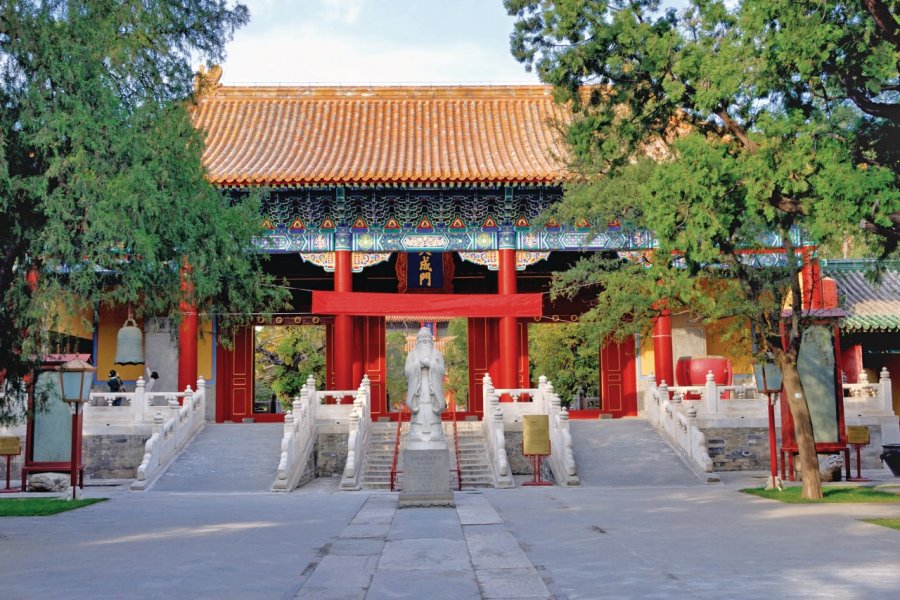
(129, 344)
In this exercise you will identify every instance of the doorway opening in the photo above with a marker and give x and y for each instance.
(284, 357)
(566, 355)
(452, 342)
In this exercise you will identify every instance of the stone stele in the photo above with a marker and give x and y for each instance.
(426, 476)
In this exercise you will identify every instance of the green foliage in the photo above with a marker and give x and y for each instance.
(102, 191)
(837, 495)
(41, 507)
(718, 128)
(890, 523)
(395, 355)
(456, 361)
(286, 357)
(568, 355)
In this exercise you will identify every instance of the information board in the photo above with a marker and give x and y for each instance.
(10, 446)
(536, 435)
(857, 434)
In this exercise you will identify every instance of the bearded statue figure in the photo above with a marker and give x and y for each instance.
(425, 391)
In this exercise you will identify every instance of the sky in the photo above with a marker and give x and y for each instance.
(374, 42)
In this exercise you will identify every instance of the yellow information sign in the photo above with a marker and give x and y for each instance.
(536, 435)
(857, 434)
(9, 445)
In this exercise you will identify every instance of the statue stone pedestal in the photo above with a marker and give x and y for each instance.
(426, 475)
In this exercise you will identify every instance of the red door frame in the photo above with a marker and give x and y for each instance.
(618, 379)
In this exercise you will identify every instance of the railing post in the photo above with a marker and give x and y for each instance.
(139, 402)
(886, 392)
(711, 394)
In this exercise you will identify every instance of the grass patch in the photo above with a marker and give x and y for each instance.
(41, 507)
(842, 494)
(892, 523)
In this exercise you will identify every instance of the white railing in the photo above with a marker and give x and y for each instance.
(299, 438)
(544, 401)
(138, 407)
(712, 399)
(301, 429)
(869, 398)
(174, 426)
(358, 440)
(495, 435)
(677, 419)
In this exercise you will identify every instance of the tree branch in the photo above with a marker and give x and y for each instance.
(735, 128)
(884, 21)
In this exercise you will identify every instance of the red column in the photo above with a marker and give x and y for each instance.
(187, 334)
(811, 272)
(662, 348)
(343, 324)
(509, 335)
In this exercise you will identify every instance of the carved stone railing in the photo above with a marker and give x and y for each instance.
(677, 420)
(874, 399)
(544, 401)
(137, 408)
(358, 439)
(495, 436)
(301, 426)
(174, 426)
(562, 457)
(299, 438)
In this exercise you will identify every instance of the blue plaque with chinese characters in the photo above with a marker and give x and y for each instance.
(425, 271)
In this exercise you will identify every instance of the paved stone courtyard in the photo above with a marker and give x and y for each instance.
(655, 541)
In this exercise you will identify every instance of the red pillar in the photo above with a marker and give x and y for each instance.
(813, 289)
(509, 335)
(187, 334)
(662, 348)
(343, 324)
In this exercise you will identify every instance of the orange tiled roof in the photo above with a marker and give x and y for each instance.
(381, 135)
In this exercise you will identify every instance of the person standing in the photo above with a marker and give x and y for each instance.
(115, 384)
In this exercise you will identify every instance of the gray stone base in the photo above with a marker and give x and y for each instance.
(426, 477)
(408, 500)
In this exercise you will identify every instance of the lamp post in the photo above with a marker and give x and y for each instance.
(75, 378)
(768, 381)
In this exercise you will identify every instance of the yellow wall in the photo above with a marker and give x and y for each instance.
(205, 346)
(647, 364)
(76, 324)
(738, 348)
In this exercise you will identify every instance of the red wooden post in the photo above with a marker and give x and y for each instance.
(187, 333)
(662, 348)
(509, 338)
(343, 324)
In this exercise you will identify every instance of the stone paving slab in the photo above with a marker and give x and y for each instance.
(511, 583)
(698, 541)
(433, 584)
(474, 509)
(424, 554)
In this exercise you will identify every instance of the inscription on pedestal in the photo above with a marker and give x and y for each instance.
(426, 478)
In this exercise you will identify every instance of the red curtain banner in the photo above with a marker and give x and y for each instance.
(365, 304)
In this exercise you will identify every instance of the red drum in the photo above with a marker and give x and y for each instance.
(692, 370)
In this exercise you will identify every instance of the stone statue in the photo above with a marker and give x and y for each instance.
(425, 391)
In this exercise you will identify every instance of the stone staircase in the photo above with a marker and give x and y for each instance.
(473, 459)
(377, 470)
(476, 472)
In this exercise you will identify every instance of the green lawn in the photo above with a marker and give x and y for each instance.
(41, 507)
(892, 523)
(835, 494)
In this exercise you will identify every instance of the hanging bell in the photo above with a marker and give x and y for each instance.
(129, 344)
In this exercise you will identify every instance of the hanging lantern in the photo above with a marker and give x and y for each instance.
(129, 344)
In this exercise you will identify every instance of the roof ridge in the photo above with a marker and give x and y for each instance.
(467, 92)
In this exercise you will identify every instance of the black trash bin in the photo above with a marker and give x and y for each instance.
(891, 456)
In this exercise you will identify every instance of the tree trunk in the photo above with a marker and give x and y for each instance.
(803, 428)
